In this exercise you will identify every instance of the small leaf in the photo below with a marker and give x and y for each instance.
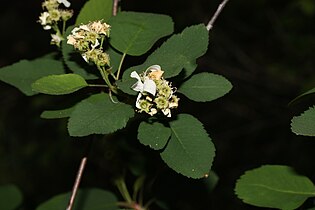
(95, 10)
(59, 84)
(190, 151)
(305, 123)
(57, 114)
(135, 33)
(23, 73)
(10, 197)
(155, 135)
(274, 187)
(205, 87)
(74, 60)
(98, 115)
(87, 199)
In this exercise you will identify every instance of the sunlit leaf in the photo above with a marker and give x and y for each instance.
(135, 33)
(23, 73)
(305, 123)
(10, 197)
(95, 10)
(190, 150)
(98, 115)
(88, 199)
(155, 135)
(274, 187)
(205, 87)
(59, 84)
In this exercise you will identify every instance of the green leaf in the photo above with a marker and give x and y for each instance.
(95, 10)
(180, 52)
(177, 53)
(305, 123)
(205, 87)
(190, 150)
(23, 73)
(57, 114)
(98, 115)
(59, 84)
(135, 33)
(155, 135)
(87, 199)
(115, 58)
(311, 91)
(74, 60)
(10, 197)
(274, 186)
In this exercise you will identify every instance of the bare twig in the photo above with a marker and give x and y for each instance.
(77, 183)
(216, 14)
(115, 7)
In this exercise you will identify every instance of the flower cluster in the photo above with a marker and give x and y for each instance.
(88, 39)
(155, 93)
(50, 18)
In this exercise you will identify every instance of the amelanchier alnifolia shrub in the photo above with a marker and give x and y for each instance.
(92, 54)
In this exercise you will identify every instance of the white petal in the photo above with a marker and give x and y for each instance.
(155, 68)
(138, 86)
(84, 27)
(64, 2)
(84, 57)
(149, 86)
(47, 27)
(167, 112)
(137, 102)
(96, 44)
(135, 75)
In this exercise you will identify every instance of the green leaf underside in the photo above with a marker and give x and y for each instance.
(155, 135)
(10, 197)
(59, 84)
(205, 87)
(23, 73)
(95, 10)
(274, 187)
(179, 52)
(190, 150)
(135, 33)
(87, 199)
(57, 114)
(305, 123)
(74, 60)
(98, 115)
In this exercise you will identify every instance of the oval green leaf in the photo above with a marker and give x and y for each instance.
(305, 123)
(135, 33)
(205, 87)
(274, 186)
(155, 135)
(10, 197)
(87, 199)
(190, 150)
(59, 84)
(98, 115)
(23, 73)
(95, 10)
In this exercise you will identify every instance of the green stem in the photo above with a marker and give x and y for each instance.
(121, 185)
(105, 74)
(120, 65)
(96, 85)
(63, 28)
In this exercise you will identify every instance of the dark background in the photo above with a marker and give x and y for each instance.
(265, 48)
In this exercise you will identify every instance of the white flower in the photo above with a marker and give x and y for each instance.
(55, 39)
(147, 86)
(43, 18)
(167, 112)
(64, 2)
(71, 40)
